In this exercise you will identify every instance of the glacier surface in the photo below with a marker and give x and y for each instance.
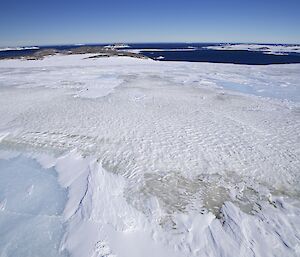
(31, 207)
(157, 158)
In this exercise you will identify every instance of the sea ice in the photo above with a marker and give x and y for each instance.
(268, 49)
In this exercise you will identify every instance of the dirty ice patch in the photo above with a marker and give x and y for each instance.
(100, 221)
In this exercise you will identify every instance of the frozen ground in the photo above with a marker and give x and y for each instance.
(160, 158)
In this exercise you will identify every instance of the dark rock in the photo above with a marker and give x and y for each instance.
(100, 51)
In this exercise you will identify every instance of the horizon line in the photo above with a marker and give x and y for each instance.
(149, 42)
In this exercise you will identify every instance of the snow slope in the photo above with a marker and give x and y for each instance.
(160, 158)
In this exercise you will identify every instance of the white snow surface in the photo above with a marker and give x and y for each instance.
(117, 46)
(161, 50)
(19, 48)
(161, 158)
(269, 49)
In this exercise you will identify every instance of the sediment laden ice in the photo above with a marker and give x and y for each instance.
(163, 152)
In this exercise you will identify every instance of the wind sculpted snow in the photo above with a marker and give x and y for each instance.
(162, 159)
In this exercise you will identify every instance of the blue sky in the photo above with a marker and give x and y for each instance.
(42, 22)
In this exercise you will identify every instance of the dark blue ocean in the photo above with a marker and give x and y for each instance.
(184, 52)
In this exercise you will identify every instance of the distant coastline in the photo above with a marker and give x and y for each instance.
(99, 51)
(236, 53)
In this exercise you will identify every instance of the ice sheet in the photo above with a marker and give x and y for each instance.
(169, 159)
(92, 78)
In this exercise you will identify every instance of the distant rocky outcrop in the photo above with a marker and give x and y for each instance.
(99, 52)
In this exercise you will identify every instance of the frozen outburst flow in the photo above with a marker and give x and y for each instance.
(167, 161)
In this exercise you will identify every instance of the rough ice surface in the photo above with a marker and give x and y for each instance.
(162, 158)
(31, 207)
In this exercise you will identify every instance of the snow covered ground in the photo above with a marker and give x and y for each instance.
(157, 158)
(19, 48)
(161, 50)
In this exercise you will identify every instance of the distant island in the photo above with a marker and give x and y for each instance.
(99, 51)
